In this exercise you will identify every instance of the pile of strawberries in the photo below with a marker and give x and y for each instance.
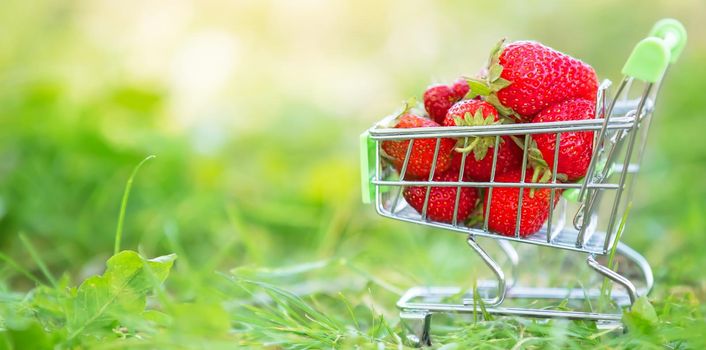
(524, 82)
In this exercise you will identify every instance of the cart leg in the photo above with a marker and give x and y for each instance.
(642, 264)
(614, 276)
(499, 274)
(418, 324)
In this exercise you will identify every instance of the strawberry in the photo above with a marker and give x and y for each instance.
(478, 166)
(576, 147)
(442, 199)
(422, 155)
(503, 206)
(524, 77)
(439, 98)
(460, 88)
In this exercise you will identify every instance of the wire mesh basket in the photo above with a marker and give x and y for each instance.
(588, 214)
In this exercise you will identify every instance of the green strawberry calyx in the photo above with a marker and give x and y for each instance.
(475, 219)
(407, 106)
(487, 86)
(479, 145)
(411, 105)
(541, 170)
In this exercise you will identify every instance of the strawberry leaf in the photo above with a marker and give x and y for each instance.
(536, 158)
(504, 111)
(480, 152)
(518, 141)
(494, 57)
(499, 83)
(478, 117)
(489, 120)
(494, 74)
(477, 88)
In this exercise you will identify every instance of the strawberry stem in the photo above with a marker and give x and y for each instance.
(470, 147)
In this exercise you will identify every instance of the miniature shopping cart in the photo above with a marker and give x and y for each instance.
(588, 219)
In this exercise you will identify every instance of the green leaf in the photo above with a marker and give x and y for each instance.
(499, 83)
(477, 87)
(478, 117)
(480, 152)
(467, 119)
(101, 302)
(495, 52)
(519, 141)
(502, 109)
(32, 336)
(642, 316)
(489, 120)
(494, 73)
(157, 317)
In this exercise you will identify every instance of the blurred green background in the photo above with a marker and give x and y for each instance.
(253, 109)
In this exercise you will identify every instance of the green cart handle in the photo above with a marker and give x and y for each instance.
(651, 56)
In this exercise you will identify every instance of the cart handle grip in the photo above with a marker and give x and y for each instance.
(651, 56)
(366, 166)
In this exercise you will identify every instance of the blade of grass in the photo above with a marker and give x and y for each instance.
(252, 246)
(611, 256)
(372, 278)
(12, 263)
(481, 303)
(475, 301)
(171, 232)
(123, 205)
(37, 259)
(330, 233)
(350, 310)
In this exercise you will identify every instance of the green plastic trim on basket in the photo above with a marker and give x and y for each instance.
(367, 158)
(651, 56)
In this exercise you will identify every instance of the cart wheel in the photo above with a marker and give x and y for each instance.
(418, 324)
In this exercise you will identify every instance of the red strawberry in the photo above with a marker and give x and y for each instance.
(422, 154)
(442, 199)
(439, 98)
(525, 77)
(575, 148)
(478, 165)
(503, 206)
(460, 88)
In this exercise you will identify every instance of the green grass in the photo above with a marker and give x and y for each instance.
(344, 300)
(273, 247)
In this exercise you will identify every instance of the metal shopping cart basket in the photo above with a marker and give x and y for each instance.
(586, 220)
